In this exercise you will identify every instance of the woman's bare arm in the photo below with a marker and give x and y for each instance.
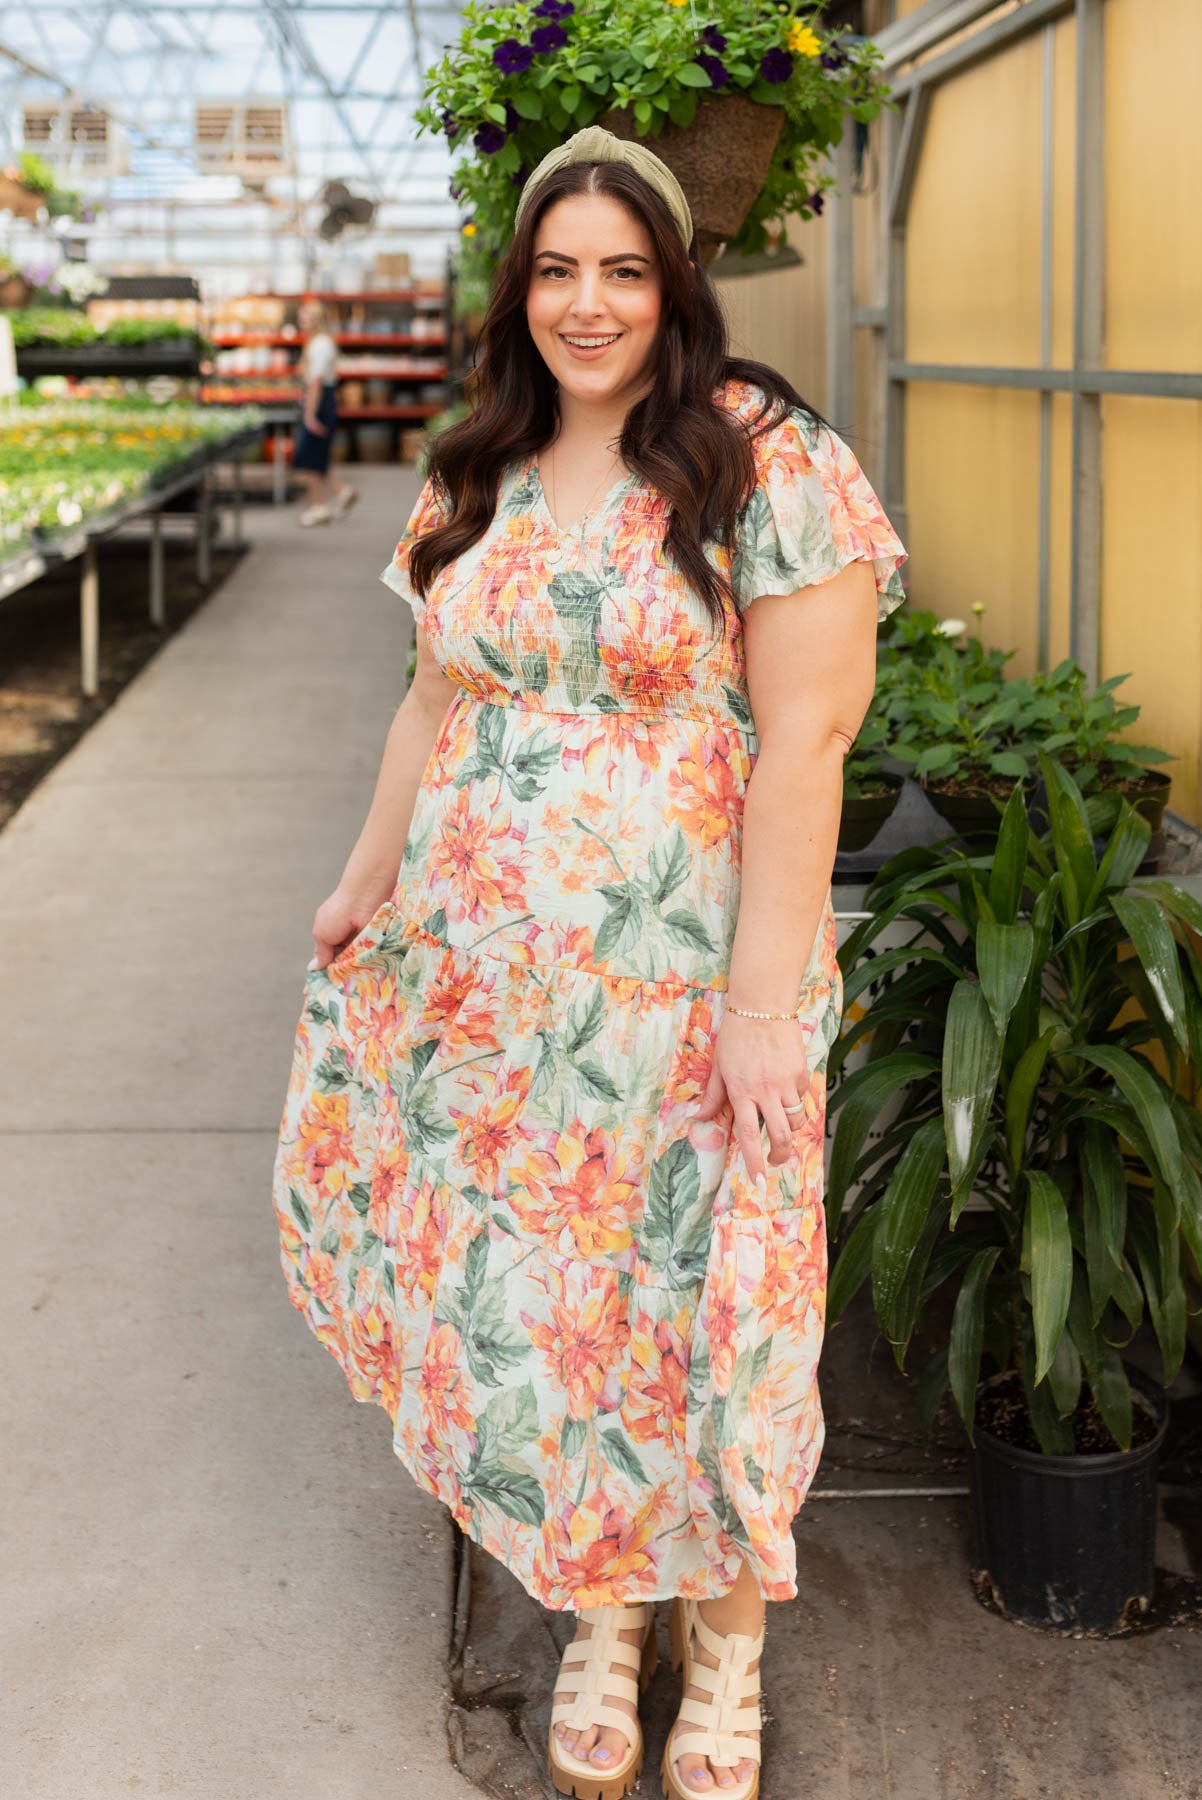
(811, 667)
(371, 868)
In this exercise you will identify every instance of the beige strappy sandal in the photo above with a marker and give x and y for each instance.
(590, 1670)
(714, 1727)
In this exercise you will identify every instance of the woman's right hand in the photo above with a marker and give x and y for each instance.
(339, 919)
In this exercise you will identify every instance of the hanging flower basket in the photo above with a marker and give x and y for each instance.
(721, 161)
(16, 198)
(743, 101)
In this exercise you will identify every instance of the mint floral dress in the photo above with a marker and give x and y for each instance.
(597, 1344)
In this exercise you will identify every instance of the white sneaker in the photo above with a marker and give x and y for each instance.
(315, 515)
(344, 500)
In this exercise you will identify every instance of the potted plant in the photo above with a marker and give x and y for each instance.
(1085, 736)
(1040, 1036)
(958, 723)
(870, 790)
(743, 106)
(14, 289)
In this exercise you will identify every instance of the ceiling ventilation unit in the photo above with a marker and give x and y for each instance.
(243, 137)
(75, 139)
(342, 208)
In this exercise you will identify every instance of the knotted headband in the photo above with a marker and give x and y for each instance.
(596, 145)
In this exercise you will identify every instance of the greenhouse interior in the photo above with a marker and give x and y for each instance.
(270, 276)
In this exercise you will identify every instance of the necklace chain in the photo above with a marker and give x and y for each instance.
(578, 527)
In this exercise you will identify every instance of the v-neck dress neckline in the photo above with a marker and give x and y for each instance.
(581, 527)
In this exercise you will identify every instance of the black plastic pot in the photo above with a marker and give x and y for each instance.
(864, 814)
(1152, 797)
(973, 815)
(1068, 1543)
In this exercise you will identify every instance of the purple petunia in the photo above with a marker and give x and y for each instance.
(715, 69)
(815, 202)
(547, 37)
(489, 138)
(554, 9)
(513, 58)
(450, 123)
(776, 65)
(713, 37)
(833, 59)
(520, 177)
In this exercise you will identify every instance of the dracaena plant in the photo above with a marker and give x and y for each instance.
(1038, 1038)
(1084, 725)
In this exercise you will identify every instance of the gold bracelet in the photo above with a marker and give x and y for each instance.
(745, 1014)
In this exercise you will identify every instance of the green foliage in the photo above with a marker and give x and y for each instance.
(649, 56)
(36, 174)
(1004, 1027)
(64, 327)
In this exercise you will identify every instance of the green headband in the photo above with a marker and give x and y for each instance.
(596, 145)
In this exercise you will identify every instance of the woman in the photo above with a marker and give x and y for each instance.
(522, 1183)
(326, 499)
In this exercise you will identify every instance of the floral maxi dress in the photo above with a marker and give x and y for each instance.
(596, 1342)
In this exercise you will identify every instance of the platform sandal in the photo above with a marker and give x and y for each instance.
(592, 1668)
(713, 1727)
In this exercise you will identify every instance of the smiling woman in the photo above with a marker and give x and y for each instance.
(522, 1183)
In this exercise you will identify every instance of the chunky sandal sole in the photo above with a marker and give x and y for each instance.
(680, 1659)
(578, 1781)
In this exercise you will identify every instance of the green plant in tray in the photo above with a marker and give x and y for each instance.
(1041, 1033)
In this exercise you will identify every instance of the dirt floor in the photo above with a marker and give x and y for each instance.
(42, 712)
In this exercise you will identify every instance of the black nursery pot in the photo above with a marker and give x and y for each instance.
(864, 814)
(1068, 1543)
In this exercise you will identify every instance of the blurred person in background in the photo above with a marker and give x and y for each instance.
(326, 498)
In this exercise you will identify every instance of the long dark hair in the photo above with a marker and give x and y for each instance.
(677, 437)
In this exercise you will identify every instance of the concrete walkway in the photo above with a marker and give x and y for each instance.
(218, 1581)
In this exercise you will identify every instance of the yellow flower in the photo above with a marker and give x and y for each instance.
(676, 2)
(469, 230)
(803, 41)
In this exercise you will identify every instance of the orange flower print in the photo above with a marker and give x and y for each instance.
(487, 1134)
(582, 1180)
(707, 785)
(371, 1021)
(606, 1563)
(443, 1387)
(323, 1144)
(659, 1379)
(580, 1342)
(376, 1357)
(722, 1321)
(476, 856)
(656, 658)
(689, 1074)
(458, 1000)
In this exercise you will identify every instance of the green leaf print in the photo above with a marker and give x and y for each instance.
(490, 1343)
(512, 1420)
(535, 672)
(619, 930)
(596, 1082)
(334, 1071)
(517, 1495)
(686, 928)
(426, 1125)
(300, 1211)
(330, 1244)
(389, 1272)
(618, 1453)
(673, 1235)
(739, 705)
(492, 659)
(577, 598)
(359, 1196)
(585, 1022)
(669, 865)
(572, 1437)
(607, 703)
(436, 923)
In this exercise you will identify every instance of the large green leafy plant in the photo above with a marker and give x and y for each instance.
(522, 77)
(1041, 1031)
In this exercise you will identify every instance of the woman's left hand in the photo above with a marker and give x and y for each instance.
(759, 1068)
(316, 427)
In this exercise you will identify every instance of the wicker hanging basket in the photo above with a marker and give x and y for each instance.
(16, 198)
(721, 160)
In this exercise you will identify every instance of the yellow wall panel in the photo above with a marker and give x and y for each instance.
(1153, 124)
(973, 249)
(1064, 187)
(1152, 575)
(781, 318)
(972, 483)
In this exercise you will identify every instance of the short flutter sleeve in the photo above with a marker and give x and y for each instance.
(426, 514)
(812, 513)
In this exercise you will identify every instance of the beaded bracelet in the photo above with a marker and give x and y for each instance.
(744, 1013)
